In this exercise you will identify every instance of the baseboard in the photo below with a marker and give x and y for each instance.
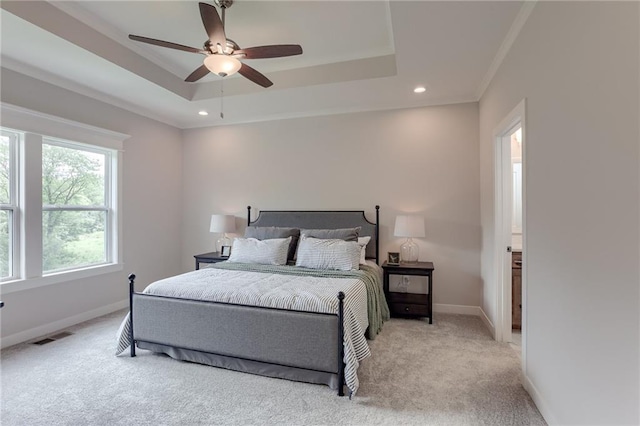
(487, 322)
(42, 330)
(539, 401)
(456, 309)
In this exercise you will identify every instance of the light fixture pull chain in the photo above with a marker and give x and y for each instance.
(222, 98)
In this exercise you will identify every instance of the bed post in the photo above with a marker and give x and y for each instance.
(378, 235)
(341, 344)
(132, 277)
(248, 215)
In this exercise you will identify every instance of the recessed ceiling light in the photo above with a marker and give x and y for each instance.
(203, 113)
(419, 89)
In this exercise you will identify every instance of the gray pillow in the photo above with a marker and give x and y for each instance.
(272, 251)
(271, 232)
(347, 234)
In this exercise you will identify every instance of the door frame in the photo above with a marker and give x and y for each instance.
(502, 224)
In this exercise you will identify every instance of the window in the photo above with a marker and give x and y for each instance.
(76, 206)
(8, 203)
(59, 189)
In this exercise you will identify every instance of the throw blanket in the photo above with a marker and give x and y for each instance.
(290, 288)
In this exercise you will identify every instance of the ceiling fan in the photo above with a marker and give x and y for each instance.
(222, 54)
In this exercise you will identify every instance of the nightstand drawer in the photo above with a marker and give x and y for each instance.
(408, 298)
(409, 309)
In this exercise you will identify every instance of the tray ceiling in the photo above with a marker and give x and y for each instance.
(358, 55)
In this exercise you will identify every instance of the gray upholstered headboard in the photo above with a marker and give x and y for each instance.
(323, 219)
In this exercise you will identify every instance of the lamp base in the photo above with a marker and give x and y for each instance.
(409, 252)
(222, 241)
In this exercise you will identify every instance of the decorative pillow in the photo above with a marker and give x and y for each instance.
(347, 234)
(271, 232)
(265, 252)
(362, 242)
(328, 254)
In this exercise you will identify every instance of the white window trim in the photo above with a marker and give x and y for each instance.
(31, 206)
(29, 121)
(107, 207)
(36, 126)
(58, 277)
(14, 206)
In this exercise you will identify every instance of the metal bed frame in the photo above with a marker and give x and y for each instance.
(136, 299)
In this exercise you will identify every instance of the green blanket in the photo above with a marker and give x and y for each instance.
(378, 311)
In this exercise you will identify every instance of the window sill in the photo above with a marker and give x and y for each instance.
(31, 283)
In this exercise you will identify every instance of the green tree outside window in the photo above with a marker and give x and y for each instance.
(74, 217)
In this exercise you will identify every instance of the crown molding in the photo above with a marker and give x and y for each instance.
(444, 101)
(510, 38)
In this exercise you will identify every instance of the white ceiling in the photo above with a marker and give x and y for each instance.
(358, 55)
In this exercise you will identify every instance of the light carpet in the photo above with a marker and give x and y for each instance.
(449, 373)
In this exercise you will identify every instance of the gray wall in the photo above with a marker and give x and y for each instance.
(151, 207)
(421, 160)
(576, 63)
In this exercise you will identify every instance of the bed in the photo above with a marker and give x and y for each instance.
(274, 320)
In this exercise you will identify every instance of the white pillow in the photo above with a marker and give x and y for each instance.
(362, 242)
(264, 252)
(328, 254)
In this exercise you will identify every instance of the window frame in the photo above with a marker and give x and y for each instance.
(34, 127)
(13, 206)
(107, 207)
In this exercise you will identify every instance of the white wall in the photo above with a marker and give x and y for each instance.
(577, 66)
(151, 211)
(422, 160)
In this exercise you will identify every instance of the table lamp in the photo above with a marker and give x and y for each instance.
(409, 226)
(222, 223)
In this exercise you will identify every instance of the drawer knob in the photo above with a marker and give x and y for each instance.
(406, 309)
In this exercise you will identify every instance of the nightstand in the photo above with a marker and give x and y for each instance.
(410, 304)
(213, 257)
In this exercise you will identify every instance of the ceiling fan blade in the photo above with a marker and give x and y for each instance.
(254, 76)
(213, 25)
(273, 51)
(162, 43)
(200, 72)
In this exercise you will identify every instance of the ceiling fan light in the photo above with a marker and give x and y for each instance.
(222, 65)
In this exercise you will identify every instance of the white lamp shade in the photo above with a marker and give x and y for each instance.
(222, 223)
(409, 226)
(222, 65)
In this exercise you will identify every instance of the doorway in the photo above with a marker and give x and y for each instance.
(515, 141)
(510, 229)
